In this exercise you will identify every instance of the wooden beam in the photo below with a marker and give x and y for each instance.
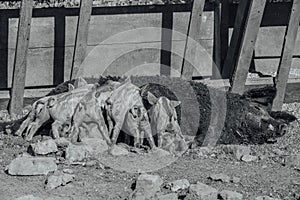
(193, 34)
(247, 45)
(237, 35)
(166, 43)
(216, 69)
(81, 36)
(19, 74)
(224, 31)
(287, 56)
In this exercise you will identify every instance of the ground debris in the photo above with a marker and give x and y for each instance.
(43, 148)
(146, 187)
(28, 165)
(230, 195)
(202, 191)
(58, 179)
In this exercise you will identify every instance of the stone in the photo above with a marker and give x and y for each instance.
(202, 191)
(265, 198)
(235, 180)
(293, 161)
(237, 150)
(146, 187)
(230, 195)
(220, 177)
(177, 185)
(249, 158)
(95, 145)
(170, 196)
(28, 166)
(1, 143)
(90, 163)
(117, 150)
(28, 197)
(77, 153)
(44, 147)
(57, 180)
(68, 171)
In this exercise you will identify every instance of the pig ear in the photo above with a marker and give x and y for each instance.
(71, 87)
(151, 98)
(80, 82)
(174, 104)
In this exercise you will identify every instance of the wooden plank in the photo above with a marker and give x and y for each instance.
(216, 69)
(237, 35)
(247, 45)
(19, 74)
(166, 43)
(81, 36)
(224, 31)
(59, 48)
(193, 34)
(4, 24)
(286, 56)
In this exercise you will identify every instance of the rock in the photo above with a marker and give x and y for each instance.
(28, 166)
(57, 180)
(220, 177)
(117, 150)
(95, 145)
(237, 150)
(77, 153)
(249, 158)
(146, 187)
(1, 143)
(235, 180)
(170, 196)
(265, 198)
(44, 147)
(179, 185)
(230, 195)
(293, 161)
(68, 171)
(28, 197)
(90, 163)
(202, 191)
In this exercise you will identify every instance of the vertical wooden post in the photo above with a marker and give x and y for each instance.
(286, 56)
(224, 32)
(19, 74)
(81, 36)
(166, 43)
(236, 38)
(216, 70)
(247, 45)
(3, 51)
(193, 34)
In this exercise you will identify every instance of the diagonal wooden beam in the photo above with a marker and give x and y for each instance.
(19, 74)
(286, 56)
(248, 41)
(81, 36)
(193, 34)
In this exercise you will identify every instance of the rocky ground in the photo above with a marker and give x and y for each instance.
(224, 172)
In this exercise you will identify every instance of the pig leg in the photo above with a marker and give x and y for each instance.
(56, 127)
(116, 133)
(25, 124)
(137, 139)
(159, 139)
(33, 127)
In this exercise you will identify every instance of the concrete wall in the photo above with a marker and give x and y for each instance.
(121, 43)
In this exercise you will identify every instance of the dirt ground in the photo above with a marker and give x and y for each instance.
(266, 176)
